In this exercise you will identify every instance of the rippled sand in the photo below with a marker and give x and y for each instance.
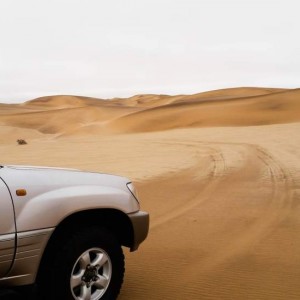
(218, 172)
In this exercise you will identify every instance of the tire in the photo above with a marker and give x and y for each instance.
(88, 266)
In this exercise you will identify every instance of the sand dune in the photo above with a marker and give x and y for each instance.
(66, 115)
(63, 119)
(159, 100)
(222, 187)
(278, 107)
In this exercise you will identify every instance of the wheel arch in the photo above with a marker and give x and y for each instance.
(113, 220)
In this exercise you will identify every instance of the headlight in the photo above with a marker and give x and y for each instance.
(132, 190)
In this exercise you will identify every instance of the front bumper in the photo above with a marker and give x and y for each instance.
(140, 225)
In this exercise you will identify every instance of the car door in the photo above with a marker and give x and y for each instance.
(7, 229)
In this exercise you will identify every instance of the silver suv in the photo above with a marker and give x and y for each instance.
(63, 230)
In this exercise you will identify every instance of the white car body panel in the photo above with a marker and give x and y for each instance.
(28, 219)
(53, 194)
(7, 229)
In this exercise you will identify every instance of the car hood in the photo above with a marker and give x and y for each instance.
(20, 176)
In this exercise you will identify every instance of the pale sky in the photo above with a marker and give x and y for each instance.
(118, 48)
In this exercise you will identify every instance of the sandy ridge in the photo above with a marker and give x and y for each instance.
(231, 107)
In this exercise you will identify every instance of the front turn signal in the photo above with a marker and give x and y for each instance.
(21, 192)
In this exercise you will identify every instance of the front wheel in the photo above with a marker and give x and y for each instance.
(89, 266)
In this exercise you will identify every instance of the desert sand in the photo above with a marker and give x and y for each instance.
(219, 172)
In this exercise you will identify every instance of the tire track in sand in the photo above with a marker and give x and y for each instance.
(209, 182)
(197, 259)
(232, 259)
(280, 203)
